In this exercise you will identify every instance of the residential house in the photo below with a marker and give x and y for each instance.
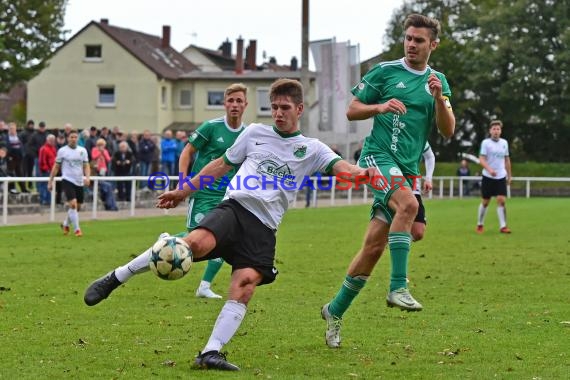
(105, 75)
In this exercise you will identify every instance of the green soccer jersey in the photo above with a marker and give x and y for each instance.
(400, 138)
(211, 140)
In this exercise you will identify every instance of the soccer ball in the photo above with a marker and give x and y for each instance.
(171, 258)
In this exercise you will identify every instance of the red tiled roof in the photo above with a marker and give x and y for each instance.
(165, 62)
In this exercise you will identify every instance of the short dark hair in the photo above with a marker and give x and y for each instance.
(287, 87)
(495, 122)
(93, 128)
(421, 21)
(42, 124)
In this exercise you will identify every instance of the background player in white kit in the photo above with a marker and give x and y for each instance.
(74, 163)
(494, 158)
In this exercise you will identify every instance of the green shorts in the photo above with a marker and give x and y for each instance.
(198, 208)
(391, 179)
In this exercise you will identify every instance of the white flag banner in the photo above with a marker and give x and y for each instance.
(341, 86)
(323, 56)
(338, 69)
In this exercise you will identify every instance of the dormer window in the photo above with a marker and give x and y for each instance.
(93, 53)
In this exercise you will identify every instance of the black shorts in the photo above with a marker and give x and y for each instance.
(421, 215)
(72, 191)
(241, 239)
(491, 187)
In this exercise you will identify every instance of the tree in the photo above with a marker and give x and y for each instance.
(30, 30)
(503, 59)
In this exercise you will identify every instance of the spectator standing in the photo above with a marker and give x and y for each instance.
(3, 133)
(463, 171)
(37, 141)
(29, 156)
(3, 165)
(123, 161)
(91, 141)
(155, 165)
(169, 148)
(100, 158)
(15, 157)
(46, 160)
(133, 140)
(146, 149)
(66, 130)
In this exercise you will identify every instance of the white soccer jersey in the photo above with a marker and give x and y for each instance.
(72, 161)
(273, 168)
(495, 153)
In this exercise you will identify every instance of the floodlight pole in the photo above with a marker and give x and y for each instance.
(305, 64)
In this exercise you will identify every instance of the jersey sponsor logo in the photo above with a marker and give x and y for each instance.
(401, 85)
(397, 126)
(272, 168)
(299, 150)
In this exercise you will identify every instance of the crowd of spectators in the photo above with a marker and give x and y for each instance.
(31, 152)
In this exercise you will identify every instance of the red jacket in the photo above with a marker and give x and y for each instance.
(46, 157)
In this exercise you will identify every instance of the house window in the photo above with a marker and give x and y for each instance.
(185, 98)
(163, 97)
(215, 98)
(106, 96)
(263, 103)
(93, 53)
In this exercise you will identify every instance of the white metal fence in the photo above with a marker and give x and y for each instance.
(444, 187)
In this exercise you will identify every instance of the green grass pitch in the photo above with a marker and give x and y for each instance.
(495, 306)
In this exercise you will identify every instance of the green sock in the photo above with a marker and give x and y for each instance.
(399, 243)
(348, 291)
(212, 269)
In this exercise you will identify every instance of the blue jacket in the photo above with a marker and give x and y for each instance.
(168, 148)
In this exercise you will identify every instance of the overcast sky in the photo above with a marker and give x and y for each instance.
(276, 25)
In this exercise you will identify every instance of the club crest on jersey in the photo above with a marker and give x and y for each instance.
(271, 168)
(299, 151)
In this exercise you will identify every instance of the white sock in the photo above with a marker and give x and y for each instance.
(205, 284)
(137, 265)
(74, 218)
(66, 220)
(501, 212)
(482, 213)
(226, 325)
